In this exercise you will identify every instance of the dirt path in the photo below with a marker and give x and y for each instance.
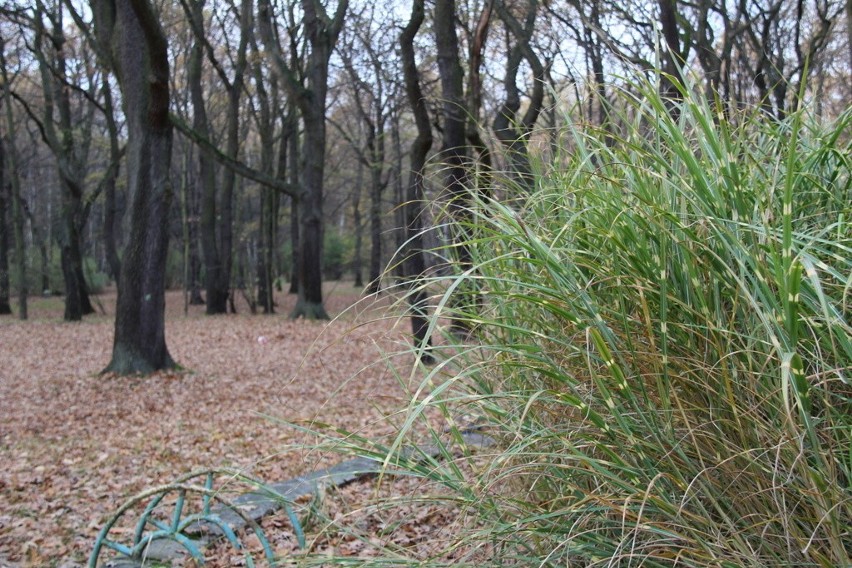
(74, 445)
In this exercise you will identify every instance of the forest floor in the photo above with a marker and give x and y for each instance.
(74, 445)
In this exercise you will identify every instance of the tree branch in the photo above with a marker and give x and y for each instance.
(233, 164)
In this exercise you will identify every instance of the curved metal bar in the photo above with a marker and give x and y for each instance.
(267, 548)
(219, 522)
(139, 549)
(101, 540)
(178, 509)
(205, 501)
(297, 525)
(291, 514)
(118, 547)
(143, 520)
(177, 527)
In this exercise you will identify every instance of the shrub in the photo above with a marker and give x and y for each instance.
(662, 349)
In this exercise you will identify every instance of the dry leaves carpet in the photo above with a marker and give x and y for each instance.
(75, 445)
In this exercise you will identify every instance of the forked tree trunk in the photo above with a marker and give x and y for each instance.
(140, 58)
(514, 131)
(218, 201)
(70, 155)
(321, 32)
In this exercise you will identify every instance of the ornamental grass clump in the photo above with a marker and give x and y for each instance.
(663, 347)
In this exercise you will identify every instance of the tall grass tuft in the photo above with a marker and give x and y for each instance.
(662, 349)
(666, 348)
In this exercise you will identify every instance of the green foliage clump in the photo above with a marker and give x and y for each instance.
(659, 347)
(51, 274)
(336, 255)
(665, 347)
(96, 279)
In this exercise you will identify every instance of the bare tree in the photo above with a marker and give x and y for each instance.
(5, 306)
(414, 262)
(70, 141)
(217, 200)
(139, 56)
(366, 59)
(11, 165)
(511, 130)
(322, 32)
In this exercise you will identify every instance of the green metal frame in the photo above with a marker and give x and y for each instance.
(176, 530)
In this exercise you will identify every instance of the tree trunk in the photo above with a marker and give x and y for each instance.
(265, 266)
(110, 207)
(672, 55)
(849, 39)
(212, 254)
(293, 176)
(376, 190)
(17, 208)
(414, 262)
(141, 60)
(454, 155)
(309, 303)
(40, 241)
(265, 259)
(70, 258)
(218, 206)
(399, 190)
(321, 32)
(514, 132)
(357, 261)
(5, 306)
(70, 157)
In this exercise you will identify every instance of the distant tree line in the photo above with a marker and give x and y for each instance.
(232, 145)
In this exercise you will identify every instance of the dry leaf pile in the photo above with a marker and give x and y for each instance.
(75, 445)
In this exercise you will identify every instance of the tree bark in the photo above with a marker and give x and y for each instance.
(140, 58)
(414, 261)
(17, 208)
(217, 298)
(322, 32)
(376, 149)
(357, 221)
(849, 39)
(512, 131)
(5, 306)
(672, 57)
(295, 241)
(454, 156)
(70, 160)
(217, 217)
(266, 230)
(110, 207)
